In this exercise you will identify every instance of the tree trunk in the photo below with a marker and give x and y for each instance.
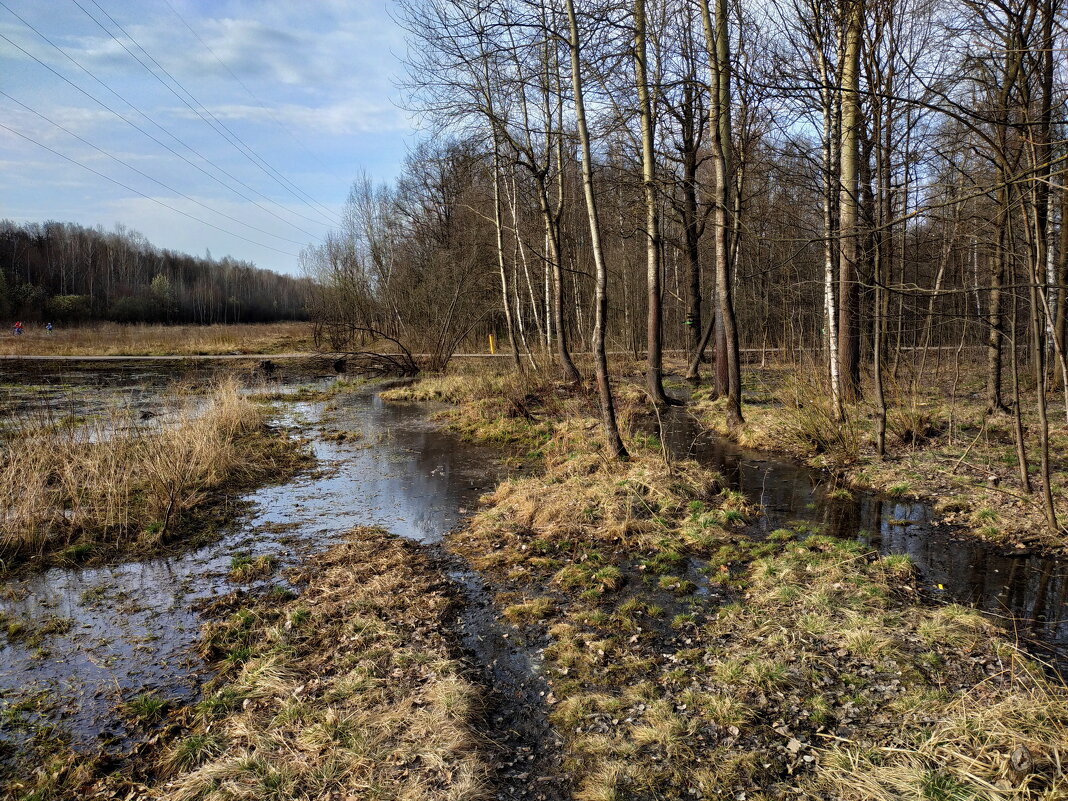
(654, 357)
(718, 44)
(830, 215)
(994, 317)
(552, 240)
(849, 217)
(691, 234)
(706, 335)
(498, 223)
(1060, 326)
(604, 388)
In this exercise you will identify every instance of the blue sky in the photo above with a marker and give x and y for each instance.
(303, 89)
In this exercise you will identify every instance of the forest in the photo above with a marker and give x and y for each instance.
(68, 273)
(869, 191)
(687, 419)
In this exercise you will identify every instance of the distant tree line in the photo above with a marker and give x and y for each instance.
(68, 273)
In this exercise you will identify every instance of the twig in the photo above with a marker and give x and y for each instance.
(967, 450)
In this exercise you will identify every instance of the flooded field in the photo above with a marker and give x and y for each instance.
(100, 636)
(94, 640)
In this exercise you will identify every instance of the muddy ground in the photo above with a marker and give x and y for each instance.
(589, 634)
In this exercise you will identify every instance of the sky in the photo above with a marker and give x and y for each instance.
(235, 126)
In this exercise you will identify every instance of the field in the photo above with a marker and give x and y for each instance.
(112, 339)
(807, 667)
(75, 488)
(683, 651)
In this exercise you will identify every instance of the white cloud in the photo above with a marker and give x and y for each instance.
(343, 117)
(324, 69)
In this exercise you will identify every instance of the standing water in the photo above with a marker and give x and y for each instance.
(131, 627)
(1027, 593)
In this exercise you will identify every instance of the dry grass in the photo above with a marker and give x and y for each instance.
(112, 339)
(825, 678)
(345, 692)
(122, 482)
(494, 405)
(584, 498)
(1014, 748)
(941, 445)
(348, 691)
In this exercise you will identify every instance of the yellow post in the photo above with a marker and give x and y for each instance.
(493, 345)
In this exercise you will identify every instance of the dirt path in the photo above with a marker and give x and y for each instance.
(527, 753)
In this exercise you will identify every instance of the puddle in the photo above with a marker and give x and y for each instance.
(133, 625)
(517, 702)
(1028, 593)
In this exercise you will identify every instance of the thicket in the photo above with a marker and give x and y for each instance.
(873, 191)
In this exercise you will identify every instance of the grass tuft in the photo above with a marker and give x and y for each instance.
(122, 483)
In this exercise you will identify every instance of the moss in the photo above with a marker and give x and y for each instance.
(679, 586)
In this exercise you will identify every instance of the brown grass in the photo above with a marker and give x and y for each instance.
(348, 691)
(121, 482)
(112, 339)
(941, 446)
(826, 678)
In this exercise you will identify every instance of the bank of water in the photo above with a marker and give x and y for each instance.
(129, 628)
(1026, 592)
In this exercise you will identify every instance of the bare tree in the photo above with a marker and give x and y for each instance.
(717, 42)
(604, 388)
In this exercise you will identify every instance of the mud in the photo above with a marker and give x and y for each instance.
(1026, 591)
(527, 751)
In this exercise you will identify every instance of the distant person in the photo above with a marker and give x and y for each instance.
(48, 328)
(18, 328)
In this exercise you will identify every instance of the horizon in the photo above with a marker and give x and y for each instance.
(245, 123)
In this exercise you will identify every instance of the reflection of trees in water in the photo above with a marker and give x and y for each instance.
(423, 473)
(1029, 590)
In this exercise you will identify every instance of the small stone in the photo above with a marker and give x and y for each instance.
(1021, 761)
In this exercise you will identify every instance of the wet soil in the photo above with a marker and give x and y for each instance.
(131, 627)
(1026, 591)
(527, 751)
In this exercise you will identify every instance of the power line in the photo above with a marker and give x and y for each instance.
(266, 107)
(142, 194)
(238, 144)
(155, 139)
(201, 110)
(144, 174)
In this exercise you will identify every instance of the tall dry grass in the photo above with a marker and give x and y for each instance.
(118, 481)
(112, 339)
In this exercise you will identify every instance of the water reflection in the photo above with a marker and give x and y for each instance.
(133, 625)
(1028, 593)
